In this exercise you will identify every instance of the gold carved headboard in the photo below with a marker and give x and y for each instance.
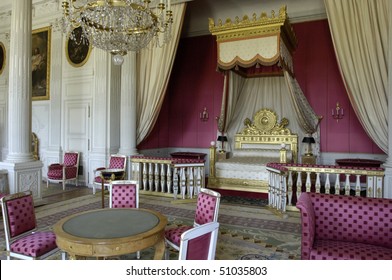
(266, 130)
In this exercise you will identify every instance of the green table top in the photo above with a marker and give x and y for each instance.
(111, 223)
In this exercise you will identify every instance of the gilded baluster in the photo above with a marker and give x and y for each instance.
(156, 176)
(198, 180)
(347, 185)
(290, 188)
(358, 185)
(379, 183)
(337, 184)
(163, 177)
(327, 184)
(150, 176)
(190, 182)
(277, 191)
(271, 194)
(308, 183)
(299, 184)
(318, 183)
(169, 178)
(370, 186)
(145, 175)
(135, 171)
(183, 182)
(283, 194)
(175, 182)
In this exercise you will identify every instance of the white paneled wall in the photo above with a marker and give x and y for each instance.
(81, 112)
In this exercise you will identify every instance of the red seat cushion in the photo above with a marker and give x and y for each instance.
(174, 234)
(35, 245)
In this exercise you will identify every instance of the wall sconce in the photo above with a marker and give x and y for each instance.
(337, 113)
(204, 115)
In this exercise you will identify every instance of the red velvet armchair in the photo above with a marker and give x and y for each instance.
(21, 238)
(339, 227)
(207, 208)
(117, 163)
(199, 243)
(66, 171)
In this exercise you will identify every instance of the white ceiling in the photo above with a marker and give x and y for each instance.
(198, 11)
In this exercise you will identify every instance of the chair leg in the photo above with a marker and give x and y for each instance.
(63, 185)
(138, 255)
(167, 252)
(47, 183)
(64, 255)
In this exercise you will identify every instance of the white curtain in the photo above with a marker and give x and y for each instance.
(359, 31)
(153, 69)
(246, 96)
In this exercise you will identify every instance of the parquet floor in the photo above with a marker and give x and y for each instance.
(61, 196)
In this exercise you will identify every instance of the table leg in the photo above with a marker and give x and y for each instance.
(159, 249)
(103, 193)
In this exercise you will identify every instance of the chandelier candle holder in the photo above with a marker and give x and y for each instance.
(119, 26)
(338, 112)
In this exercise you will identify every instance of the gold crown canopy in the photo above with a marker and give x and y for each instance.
(264, 40)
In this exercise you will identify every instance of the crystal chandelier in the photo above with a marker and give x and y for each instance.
(119, 26)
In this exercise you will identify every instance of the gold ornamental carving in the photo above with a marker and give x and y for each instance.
(265, 122)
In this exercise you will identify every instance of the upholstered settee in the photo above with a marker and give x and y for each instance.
(337, 227)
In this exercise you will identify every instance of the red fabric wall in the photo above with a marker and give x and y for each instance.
(318, 74)
(196, 84)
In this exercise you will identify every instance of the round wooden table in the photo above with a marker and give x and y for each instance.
(111, 232)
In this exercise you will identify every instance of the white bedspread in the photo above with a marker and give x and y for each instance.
(247, 168)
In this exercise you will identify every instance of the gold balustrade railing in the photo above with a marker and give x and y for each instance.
(168, 176)
(288, 181)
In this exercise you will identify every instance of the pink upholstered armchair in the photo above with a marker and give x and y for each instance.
(339, 227)
(66, 171)
(116, 163)
(206, 211)
(124, 194)
(199, 243)
(21, 239)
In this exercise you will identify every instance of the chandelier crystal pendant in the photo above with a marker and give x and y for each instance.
(119, 26)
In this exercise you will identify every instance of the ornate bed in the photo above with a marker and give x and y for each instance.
(261, 141)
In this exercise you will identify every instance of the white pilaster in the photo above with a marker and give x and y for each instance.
(20, 89)
(128, 106)
(23, 172)
(388, 163)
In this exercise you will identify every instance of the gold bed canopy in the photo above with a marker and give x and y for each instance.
(263, 41)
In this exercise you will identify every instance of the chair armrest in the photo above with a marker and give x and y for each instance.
(54, 166)
(308, 224)
(97, 171)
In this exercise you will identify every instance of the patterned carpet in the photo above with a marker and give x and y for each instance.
(248, 230)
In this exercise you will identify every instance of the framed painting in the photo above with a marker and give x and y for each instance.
(77, 50)
(40, 63)
(2, 57)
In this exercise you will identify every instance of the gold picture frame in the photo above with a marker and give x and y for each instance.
(2, 57)
(76, 50)
(40, 63)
